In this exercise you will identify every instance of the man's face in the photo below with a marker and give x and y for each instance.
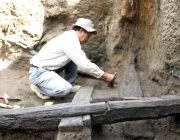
(84, 36)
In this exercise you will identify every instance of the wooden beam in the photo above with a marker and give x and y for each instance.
(48, 117)
(83, 95)
(45, 117)
(120, 111)
(130, 85)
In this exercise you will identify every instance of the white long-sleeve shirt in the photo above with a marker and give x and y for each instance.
(61, 50)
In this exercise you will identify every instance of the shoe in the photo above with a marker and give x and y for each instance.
(75, 88)
(34, 88)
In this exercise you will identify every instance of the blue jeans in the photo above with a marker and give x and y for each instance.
(49, 83)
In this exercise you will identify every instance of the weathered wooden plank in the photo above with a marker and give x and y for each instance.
(83, 95)
(170, 97)
(143, 103)
(45, 117)
(105, 99)
(81, 124)
(97, 100)
(139, 98)
(71, 124)
(138, 110)
(130, 87)
(87, 120)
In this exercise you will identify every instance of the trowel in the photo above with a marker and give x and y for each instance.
(10, 97)
(111, 84)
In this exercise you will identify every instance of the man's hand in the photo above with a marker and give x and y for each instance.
(108, 77)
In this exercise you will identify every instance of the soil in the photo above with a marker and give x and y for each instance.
(16, 83)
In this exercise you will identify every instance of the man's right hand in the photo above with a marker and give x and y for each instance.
(108, 77)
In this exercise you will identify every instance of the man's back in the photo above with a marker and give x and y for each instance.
(52, 55)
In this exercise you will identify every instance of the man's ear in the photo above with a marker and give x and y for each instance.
(81, 30)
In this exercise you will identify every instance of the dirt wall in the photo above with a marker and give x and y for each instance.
(166, 46)
(149, 30)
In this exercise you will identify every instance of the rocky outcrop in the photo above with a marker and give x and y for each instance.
(21, 23)
(165, 58)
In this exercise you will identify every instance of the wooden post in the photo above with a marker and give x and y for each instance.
(79, 126)
(130, 87)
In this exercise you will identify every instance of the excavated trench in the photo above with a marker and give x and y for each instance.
(138, 39)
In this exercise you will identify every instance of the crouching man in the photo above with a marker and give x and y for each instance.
(64, 53)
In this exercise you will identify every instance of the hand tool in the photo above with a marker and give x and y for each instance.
(111, 83)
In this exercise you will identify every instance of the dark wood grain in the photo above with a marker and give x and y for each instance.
(45, 117)
(70, 124)
(120, 111)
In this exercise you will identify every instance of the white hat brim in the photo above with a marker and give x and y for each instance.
(91, 30)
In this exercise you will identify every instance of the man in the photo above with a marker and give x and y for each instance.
(64, 53)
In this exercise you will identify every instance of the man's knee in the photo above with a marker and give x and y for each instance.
(64, 91)
(67, 89)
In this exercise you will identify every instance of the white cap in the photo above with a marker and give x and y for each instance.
(86, 24)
